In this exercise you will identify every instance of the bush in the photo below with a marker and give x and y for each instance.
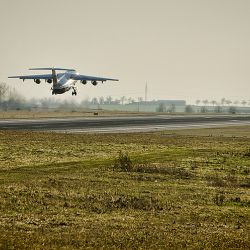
(106, 202)
(123, 162)
(219, 199)
(247, 153)
(215, 181)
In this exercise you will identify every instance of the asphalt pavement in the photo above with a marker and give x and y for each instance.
(124, 124)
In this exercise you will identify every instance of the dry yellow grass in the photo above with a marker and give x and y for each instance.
(60, 191)
(55, 113)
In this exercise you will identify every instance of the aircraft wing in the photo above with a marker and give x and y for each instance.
(46, 77)
(92, 78)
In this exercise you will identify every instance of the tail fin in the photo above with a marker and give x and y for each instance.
(54, 77)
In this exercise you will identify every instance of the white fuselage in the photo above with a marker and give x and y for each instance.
(64, 83)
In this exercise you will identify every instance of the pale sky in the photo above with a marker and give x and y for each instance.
(183, 49)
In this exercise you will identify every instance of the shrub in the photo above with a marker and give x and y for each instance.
(215, 181)
(123, 162)
(247, 153)
(231, 180)
(219, 199)
(103, 203)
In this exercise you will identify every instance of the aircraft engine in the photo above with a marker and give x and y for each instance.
(49, 81)
(84, 82)
(94, 83)
(38, 81)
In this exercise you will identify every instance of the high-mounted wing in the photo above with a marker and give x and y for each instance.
(45, 77)
(91, 78)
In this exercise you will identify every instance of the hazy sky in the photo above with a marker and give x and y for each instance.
(184, 49)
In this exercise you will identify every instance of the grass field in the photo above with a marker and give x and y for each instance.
(185, 189)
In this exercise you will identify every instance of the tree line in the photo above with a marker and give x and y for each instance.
(11, 99)
(223, 102)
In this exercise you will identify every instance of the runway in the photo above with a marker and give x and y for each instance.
(124, 124)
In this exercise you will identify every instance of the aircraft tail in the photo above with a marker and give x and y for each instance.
(54, 77)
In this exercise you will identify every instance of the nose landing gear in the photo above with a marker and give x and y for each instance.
(74, 92)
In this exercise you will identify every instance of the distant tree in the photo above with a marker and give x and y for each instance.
(15, 100)
(161, 108)
(109, 99)
(116, 101)
(243, 102)
(140, 99)
(228, 102)
(205, 102)
(123, 99)
(172, 108)
(3, 90)
(14, 96)
(213, 102)
(94, 101)
(85, 102)
(218, 109)
(67, 105)
(44, 103)
(236, 102)
(223, 100)
(131, 100)
(101, 100)
(198, 102)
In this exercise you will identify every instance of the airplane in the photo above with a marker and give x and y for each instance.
(63, 82)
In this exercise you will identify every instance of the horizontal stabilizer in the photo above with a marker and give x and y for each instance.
(51, 69)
